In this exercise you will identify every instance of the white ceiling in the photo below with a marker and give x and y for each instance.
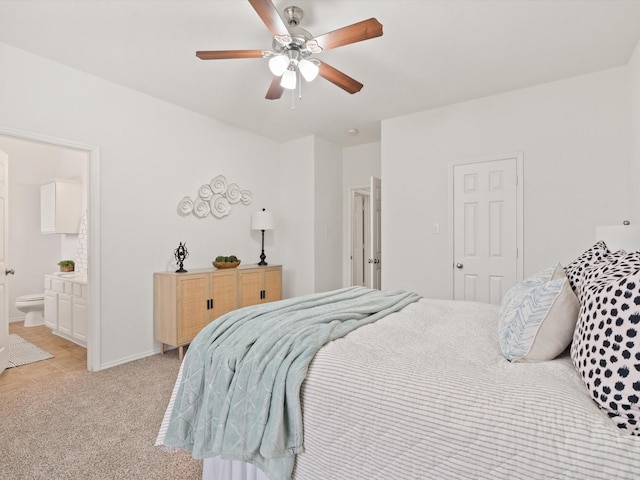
(432, 53)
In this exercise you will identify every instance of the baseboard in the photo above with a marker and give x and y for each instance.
(122, 361)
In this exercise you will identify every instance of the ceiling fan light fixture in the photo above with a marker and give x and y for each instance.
(292, 46)
(278, 64)
(289, 79)
(308, 69)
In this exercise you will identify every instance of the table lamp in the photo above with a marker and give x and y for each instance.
(262, 220)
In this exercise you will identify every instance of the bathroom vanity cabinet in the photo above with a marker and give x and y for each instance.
(60, 206)
(66, 306)
(184, 303)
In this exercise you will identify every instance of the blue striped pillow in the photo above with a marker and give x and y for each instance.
(537, 317)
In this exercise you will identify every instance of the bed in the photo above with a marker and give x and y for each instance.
(427, 391)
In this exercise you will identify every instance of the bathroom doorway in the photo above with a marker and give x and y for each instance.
(35, 160)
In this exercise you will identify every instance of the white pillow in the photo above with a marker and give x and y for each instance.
(538, 317)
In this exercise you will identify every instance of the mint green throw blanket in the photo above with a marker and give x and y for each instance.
(239, 394)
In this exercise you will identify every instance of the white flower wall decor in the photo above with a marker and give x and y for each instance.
(214, 198)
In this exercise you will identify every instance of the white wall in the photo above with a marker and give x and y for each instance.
(311, 238)
(328, 215)
(359, 164)
(634, 177)
(30, 253)
(151, 155)
(296, 234)
(575, 136)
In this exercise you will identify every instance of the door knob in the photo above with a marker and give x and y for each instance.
(9, 271)
(459, 265)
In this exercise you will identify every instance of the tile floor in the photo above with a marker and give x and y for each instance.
(68, 358)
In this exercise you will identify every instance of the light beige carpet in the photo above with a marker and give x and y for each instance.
(100, 425)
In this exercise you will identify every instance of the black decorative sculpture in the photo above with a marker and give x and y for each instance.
(181, 254)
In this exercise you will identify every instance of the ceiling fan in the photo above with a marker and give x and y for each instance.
(292, 47)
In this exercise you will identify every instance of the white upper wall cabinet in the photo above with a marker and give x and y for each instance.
(60, 206)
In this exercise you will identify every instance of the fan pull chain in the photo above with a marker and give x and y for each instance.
(293, 91)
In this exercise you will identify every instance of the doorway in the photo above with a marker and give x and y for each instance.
(365, 235)
(92, 237)
(360, 274)
(4, 307)
(487, 209)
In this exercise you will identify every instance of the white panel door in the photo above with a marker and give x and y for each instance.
(4, 235)
(358, 246)
(485, 210)
(375, 210)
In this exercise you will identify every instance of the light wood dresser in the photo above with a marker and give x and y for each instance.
(184, 303)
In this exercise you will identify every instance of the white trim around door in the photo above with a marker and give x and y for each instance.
(518, 158)
(93, 337)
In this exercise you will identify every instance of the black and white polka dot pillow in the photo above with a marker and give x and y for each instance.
(578, 270)
(606, 343)
(616, 265)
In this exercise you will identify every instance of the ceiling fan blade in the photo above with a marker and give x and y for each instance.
(275, 89)
(356, 32)
(226, 54)
(338, 78)
(269, 15)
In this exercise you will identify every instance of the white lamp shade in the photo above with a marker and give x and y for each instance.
(308, 69)
(619, 237)
(262, 220)
(278, 64)
(288, 80)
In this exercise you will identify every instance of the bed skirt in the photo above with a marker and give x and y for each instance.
(217, 468)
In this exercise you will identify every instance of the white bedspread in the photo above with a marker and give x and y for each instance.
(426, 394)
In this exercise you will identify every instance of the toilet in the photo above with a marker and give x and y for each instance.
(33, 308)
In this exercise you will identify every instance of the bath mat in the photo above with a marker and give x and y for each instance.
(22, 352)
